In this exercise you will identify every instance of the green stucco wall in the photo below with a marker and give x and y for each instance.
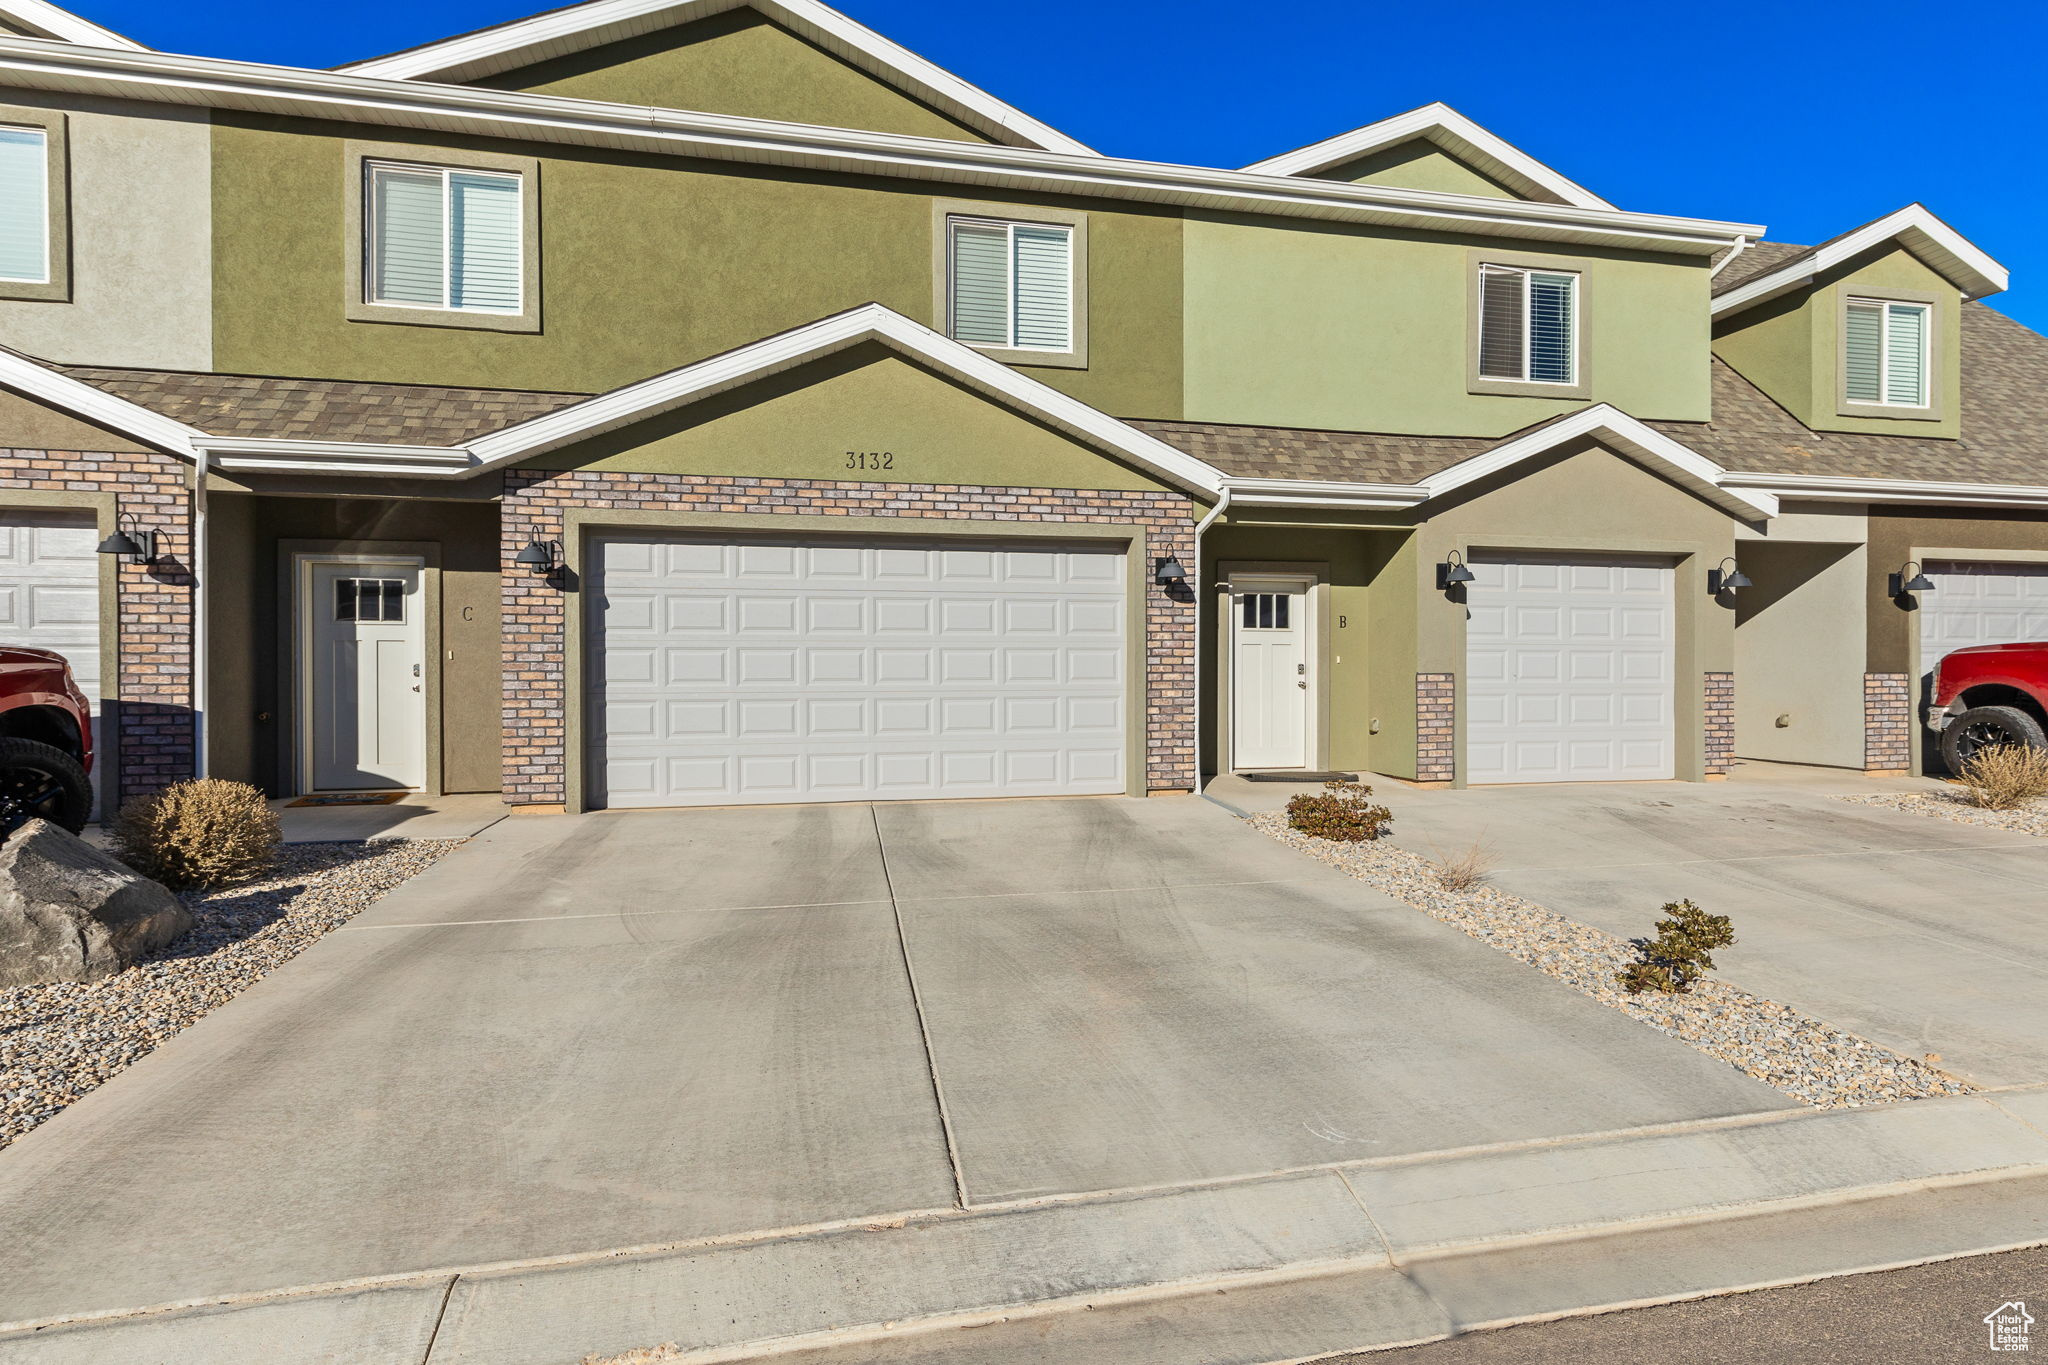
(646, 263)
(1418, 164)
(1799, 652)
(1790, 346)
(1323, 325)
(738, 62)
(805, 423)
(250, 718)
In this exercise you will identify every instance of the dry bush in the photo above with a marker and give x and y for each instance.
(198, 834)
(2005, 777)
(1463, 871)
(1682, 952)
(1344, 812)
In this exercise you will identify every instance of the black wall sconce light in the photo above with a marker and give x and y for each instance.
(1910, 579)
(1727, 579)
(1169, 572)
(539, 557)
(134, 547)
(1452, 572)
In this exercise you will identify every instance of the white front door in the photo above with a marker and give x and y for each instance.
(1569, 670)
(364, 665)
(1269, 677)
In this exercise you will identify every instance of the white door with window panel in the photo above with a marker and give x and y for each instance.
(50, 592)
(1269, 676)
(1570, 669)
(1979, 603)
(364, 664)
(822, 669)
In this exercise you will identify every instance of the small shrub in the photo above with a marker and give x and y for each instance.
(2005, 776)
(1343, 812)
(1682, 952)
(1462, 871)
(198, 834)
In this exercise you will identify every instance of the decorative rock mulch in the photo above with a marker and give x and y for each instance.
(2031, 818)
(59, 1041)
(1813, 1062)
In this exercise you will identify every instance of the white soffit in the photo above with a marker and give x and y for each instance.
(47, 21)
(581, 27)
(1456, 134)
(1945, 250)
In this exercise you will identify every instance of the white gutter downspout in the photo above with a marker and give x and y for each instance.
(199, 615)
(1741, 245)
(1201, 599)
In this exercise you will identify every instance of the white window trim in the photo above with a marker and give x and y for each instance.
(1479, 260)
(1009, 227)
(54, 284)
(372, 237)
(358, 158)
(1528, 274)
(945, 213)
(1884, 308)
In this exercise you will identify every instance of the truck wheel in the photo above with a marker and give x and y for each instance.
(1988, 727)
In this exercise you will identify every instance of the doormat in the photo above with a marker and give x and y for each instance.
(1299, 777)
(350, 799)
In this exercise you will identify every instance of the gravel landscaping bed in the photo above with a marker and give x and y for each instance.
(1813, 1062)
(2031, 818)
(59, 1041)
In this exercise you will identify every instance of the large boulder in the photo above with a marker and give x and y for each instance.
(69, 912)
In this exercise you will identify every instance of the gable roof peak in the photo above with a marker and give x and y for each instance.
(1916, 227)
(44, 20)
(580, 27)
(1447, 128)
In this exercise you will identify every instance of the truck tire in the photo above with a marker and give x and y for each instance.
(1988, 727)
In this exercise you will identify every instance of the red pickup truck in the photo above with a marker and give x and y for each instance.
(45, 742)
(1988, 695)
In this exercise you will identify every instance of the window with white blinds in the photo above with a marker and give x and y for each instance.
(1011, 285)
(1528, 325)
(24, 204)
(1884, 352)
(440, 238)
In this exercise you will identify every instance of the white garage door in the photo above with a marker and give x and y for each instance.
(838, 670)
(1569, 669)
(1981, 604)
(50, 589)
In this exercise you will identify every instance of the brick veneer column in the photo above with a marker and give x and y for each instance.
(535, 615)
(1887, 724)
(1720, 722)
(148, 691)
(1436, 731)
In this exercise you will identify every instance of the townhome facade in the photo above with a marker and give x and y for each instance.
(714, 403)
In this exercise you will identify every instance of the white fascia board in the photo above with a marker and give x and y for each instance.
(869, 322)
(1827, 488)
(1624, 434)
(1250, 492)
(97, 405)
(38, 16)
(213, 83)
(334, 457)
(581, 27)
(1960, 261)
(1450, 130)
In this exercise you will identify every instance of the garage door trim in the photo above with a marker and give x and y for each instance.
(583, 527)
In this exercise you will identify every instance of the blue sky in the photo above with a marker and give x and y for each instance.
(1810, 118)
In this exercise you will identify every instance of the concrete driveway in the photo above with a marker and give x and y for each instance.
(628, 1029)
(1919, 933)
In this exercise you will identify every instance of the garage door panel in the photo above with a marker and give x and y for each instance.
(979, 670)
(1981, 602)
(1569, 670)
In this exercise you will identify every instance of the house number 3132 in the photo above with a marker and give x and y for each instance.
(870, 459)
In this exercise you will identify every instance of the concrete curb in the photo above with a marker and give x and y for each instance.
(1442, 1242)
